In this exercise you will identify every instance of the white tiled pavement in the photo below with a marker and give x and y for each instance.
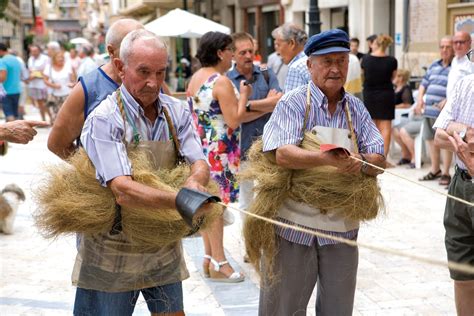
(35, 273)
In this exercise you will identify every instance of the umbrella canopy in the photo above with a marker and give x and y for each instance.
(180, 23)
(79, 41)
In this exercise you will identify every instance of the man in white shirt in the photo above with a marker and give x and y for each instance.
(460, 66)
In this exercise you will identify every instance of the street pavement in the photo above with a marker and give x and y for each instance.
(35, 272)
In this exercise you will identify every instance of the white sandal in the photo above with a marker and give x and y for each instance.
(217, 276)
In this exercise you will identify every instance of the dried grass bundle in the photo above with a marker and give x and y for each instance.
(71, 200)
(358, 197)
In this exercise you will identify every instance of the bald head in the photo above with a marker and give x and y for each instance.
(117, 32)
(462, 43)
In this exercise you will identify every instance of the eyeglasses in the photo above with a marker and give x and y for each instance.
(470, 54)
(459, 42)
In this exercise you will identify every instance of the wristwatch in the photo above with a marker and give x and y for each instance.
(247, 107)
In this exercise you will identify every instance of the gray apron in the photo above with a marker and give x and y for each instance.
(108, 262)
(305, 215)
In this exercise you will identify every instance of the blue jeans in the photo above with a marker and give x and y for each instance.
(10, 105)
(160, 299)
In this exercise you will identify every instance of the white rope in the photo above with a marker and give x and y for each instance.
(460, 267)
(415, 182)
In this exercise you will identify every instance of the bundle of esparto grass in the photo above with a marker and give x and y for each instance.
(71, 200)
(356, 197)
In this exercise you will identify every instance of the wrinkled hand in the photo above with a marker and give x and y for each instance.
(195, 185)
(343, 162)
(463, 152)
(21, 131)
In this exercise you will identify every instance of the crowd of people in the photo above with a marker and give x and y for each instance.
(320, 83)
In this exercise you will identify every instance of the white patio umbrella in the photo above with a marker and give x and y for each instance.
(180, 23)
(79, 41)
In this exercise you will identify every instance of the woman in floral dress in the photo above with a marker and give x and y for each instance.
(218, 111)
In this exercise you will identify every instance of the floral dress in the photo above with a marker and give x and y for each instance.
(220, 142)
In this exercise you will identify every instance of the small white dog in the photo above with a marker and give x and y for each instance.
(10, 199)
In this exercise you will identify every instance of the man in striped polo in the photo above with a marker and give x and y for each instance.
(431, 99)
(303, 259)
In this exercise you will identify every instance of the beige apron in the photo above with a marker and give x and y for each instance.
(305, 215)
(107, 262)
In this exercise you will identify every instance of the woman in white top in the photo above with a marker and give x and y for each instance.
(60, 77)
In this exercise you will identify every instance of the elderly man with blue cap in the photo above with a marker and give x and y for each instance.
(339, 118)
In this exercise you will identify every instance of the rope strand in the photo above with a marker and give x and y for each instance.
(415, 182)
(460, 267)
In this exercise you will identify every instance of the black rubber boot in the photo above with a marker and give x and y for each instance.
(188, 201)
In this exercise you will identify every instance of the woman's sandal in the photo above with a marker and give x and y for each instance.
(431, 176)
(217, 276)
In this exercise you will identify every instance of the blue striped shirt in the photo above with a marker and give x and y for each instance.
(435, 82)
(285, 127)
(298, 73)
(104, 129)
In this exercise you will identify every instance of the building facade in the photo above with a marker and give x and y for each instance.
(11, 30)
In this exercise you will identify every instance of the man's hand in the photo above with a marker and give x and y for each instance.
(21, 131)
(245, 89)
(343, 162)
(463, 152)
(274, 93)
(420, 105)
(195, 185)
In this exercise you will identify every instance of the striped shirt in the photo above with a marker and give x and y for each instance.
(285, 127)
(297, 72)
(103, 132)
(435, 82)
(459, 108)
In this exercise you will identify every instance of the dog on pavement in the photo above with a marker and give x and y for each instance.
(10, 199)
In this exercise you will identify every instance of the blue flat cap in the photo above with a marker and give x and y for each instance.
(332, 41)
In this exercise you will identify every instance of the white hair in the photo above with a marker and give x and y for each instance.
(54, 45)
(127, 43)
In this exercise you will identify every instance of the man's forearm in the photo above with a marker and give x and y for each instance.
(294, 157)
(130, 193)
(264, 105)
